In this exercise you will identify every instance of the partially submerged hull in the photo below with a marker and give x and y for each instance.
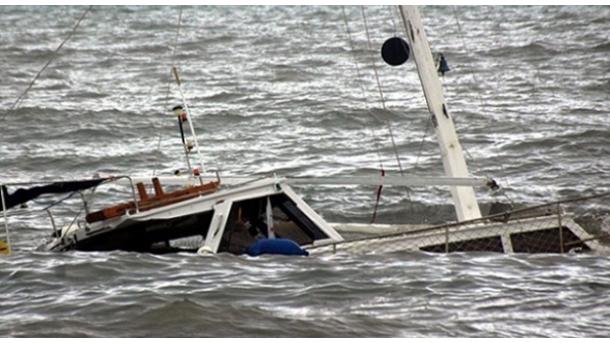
(233, 220)
(208, 219)
(228, 220)
(526, 235)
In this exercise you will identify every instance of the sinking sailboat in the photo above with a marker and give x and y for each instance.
(257, 216)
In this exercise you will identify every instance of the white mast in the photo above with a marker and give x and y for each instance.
(466, 205)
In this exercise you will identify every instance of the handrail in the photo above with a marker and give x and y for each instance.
(506, 216)
(133, 190)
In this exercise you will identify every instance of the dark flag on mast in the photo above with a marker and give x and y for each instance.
(23, 195)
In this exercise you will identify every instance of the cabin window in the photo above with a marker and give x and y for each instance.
(247, 222)
(154, 236)
(178, 234)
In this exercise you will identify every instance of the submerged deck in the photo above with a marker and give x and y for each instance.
(548, 232)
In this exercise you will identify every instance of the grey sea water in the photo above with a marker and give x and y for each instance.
(275, 89)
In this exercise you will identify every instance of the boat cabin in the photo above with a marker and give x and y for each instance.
(203, 220)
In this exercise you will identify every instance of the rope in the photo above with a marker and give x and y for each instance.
(53, 56)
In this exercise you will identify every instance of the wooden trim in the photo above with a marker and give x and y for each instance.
(147, 203)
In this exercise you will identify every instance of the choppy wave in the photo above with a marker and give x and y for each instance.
(416, 294)
(276, 89)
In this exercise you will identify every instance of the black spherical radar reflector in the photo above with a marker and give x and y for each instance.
(395, 51)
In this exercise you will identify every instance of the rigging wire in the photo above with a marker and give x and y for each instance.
(421, 146)
(370, 48)
(169, 77)
(395, 12)
(366, 103)
(474, 77)
(421, 143)
(360, 84)
(387, 122)
(392, 13)
(383, 105)
(482, 102)
(55, 202)
(53, 56)
(173, 57)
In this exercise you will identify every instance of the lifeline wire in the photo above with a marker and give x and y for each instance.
(22, 96)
